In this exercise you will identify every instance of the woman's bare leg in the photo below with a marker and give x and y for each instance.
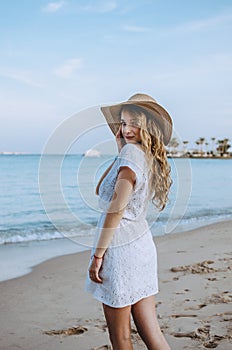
(144, 315)
(118, 322)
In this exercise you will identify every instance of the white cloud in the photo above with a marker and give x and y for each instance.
(136, 29)
(207, 23)
(101, 6)
(53, 6)
(67, 69)
(22, 77)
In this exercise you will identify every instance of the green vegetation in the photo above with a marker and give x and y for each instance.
(204, 149)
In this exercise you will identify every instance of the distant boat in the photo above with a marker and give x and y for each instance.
(92, 153)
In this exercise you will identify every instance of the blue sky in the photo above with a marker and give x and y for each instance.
(60, 57)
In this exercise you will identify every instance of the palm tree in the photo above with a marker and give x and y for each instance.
(213, 145)
(223, 146)
(198, 144)
(185, 146)
(201, 141)
(173, 144)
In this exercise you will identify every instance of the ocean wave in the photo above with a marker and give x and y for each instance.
(47, 231)
(188, 223)
(24, 219)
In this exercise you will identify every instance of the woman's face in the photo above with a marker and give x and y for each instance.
(129, 127)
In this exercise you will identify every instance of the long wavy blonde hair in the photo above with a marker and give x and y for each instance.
(152, 143)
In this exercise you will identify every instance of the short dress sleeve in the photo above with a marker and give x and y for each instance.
(132, 157)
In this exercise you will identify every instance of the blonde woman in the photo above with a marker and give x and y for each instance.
(122, 272)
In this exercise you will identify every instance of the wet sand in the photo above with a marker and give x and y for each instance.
(48, 309)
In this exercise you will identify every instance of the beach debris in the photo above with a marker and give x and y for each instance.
(158, 303)
(202, 334)
(204, 267)
(226, 259)
(197, 307)
(213, 342)
(224, 297)
(103, 347)
(183, 315)
(175, 278)
(225, 313)
(67, 331)
(227, 319)
(102, 327)
(183, 292)
(201, 267)
(210, 344)
(199, 333)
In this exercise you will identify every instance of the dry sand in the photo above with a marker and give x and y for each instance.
(48, 309)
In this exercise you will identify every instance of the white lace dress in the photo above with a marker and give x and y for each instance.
(129, 269)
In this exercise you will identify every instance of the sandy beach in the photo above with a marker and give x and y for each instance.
(48, 308)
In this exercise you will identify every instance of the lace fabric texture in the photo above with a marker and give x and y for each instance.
(129, 270)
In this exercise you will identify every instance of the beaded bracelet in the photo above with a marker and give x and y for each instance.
(97, 257)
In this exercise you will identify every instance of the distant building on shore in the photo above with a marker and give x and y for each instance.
(92, 153)
(7, 153)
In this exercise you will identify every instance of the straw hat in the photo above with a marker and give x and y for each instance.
(157, 112)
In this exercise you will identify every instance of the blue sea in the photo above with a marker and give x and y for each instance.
(49, 208)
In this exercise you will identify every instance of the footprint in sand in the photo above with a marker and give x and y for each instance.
(223, 297)
(68, 331)
(183, 292)
(102, 327)
(201, 267)
(175, 278)
(200, 333)
(197, 307)
(213, 342)
(183, 315)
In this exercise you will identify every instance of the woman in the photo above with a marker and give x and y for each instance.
(123, 266)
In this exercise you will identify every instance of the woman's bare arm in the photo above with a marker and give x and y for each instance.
(123, 190)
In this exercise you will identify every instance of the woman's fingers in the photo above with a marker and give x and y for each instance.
(94, 271)
(118, 133)
(95, 277)
(119, 138)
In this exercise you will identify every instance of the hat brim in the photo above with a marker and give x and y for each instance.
(159, 114)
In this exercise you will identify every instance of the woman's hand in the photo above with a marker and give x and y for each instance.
(119, 139)
(94, 270)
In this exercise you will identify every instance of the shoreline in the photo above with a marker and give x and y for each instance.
(226, 156)
(43, 309)
(20, 258)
